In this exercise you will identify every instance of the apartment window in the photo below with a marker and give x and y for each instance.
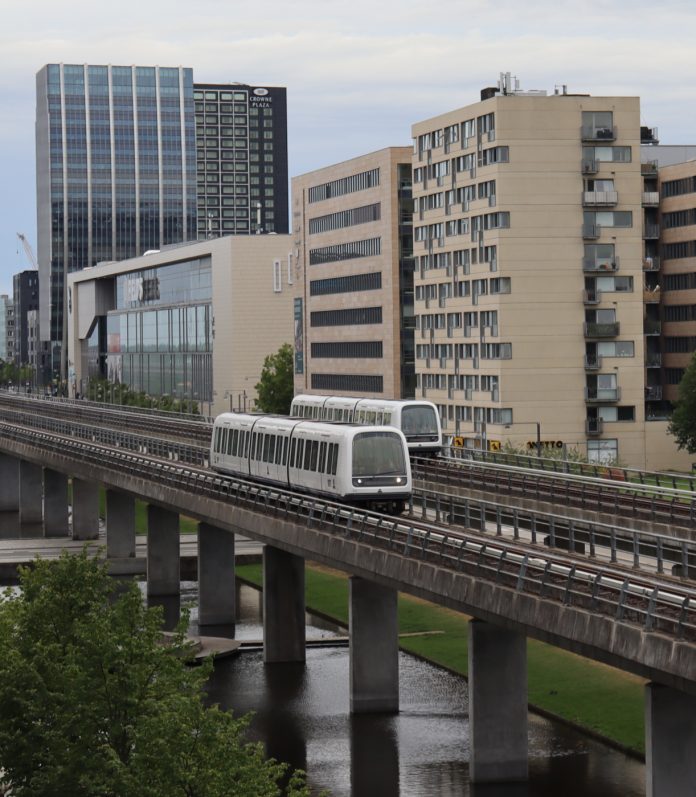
(679, 250)
(608, 218)
(363, 349)
(598, 124)
(606, 450)
(607, 154)
(685, 185)
(496, 351)
(615, 348)
(679, 282)
(348, 284)
(600, 255)
(679, 218)
(501, 285)
(486, 189)
(680, 345)
(335, 318)
(679, 312)
(486, 123)
(370, 247)
(452, 134)
(614, 284)
(495, 155)
(457, 227)
(673, 376)
(340, 383)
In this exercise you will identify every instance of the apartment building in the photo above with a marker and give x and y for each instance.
(353, 305)
(531, 242)
(678, 272)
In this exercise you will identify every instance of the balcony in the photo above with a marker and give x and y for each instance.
(651, 231)
(653, 359)
(597, 330)
(589, 167)
(651, 263)
(591, 231)
(651, 198)
(594, 426)
(652, 327)
(653, 393)
(591, 264)
(593, 362)
(599, 394)
(648, 168)
(591, 296)
(651, 295)
(592, 133)
(603, 198)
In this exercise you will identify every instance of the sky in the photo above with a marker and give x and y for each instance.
(358, 73)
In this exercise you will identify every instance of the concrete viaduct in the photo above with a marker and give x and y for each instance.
(34, 472)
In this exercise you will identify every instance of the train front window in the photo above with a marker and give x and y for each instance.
(418, 420)
(378, 454)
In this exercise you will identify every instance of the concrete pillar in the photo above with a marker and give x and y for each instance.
(216, 592)
(283, 606)
(85, 510)
(30, 492)
(162, 551)
(120, 525)
(670, 736)
(9, 483)
(374, 647)
(497, 704)
(55, 506)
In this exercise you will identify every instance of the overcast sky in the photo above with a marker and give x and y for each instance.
(358, 73)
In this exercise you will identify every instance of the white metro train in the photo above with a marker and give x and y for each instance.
(351, 464)
(418, 420)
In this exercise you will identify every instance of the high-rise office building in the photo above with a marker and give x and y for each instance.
(242, 159)
(353, 306)
(25, 294)
(116, 171)
(535, 240)
(6, 339)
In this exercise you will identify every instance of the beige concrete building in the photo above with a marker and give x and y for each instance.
(353, 305)
(534, 227)
(193, 321)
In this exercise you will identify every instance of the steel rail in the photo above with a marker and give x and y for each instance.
(653, 604)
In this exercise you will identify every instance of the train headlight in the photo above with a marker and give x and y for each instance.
(398, 479)
(359, 481)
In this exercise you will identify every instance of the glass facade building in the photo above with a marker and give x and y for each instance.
(116, 171)
(159, 338)
(242, 159)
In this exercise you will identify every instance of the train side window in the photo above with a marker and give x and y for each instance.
(216, 447)
(300, 452)
(334, 459)
(245, 443)
(313, 456)
(293, 445)
(307, 454)
(387, 418)
(269, 449)
(285, 451)
(378, 418)
(223, 444)
(278, 449)
(253, 445)
(259, 445)
(350, 416)
(235, 442)
(322, 458)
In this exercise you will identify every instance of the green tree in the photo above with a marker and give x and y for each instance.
(93, 704)
(683, 422)
(275, 388)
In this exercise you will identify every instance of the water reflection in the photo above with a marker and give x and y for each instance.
(302, 716)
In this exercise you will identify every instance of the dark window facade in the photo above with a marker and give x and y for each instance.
(345, 218)
(680, 345)
(679, 282)
(364, 349)
(679, 312)
(673, 376)
(340, 318)
(685, 185)
(344, 185)
(679, 218)
(369, 247)
(679, 250)
(356, 383)
(349, 284)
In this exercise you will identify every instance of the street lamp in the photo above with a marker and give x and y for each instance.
(538, 432)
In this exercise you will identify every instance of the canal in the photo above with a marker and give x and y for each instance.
(301, 714)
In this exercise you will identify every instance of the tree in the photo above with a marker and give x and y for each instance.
(94, 704)
(275, 388)
(683, 422)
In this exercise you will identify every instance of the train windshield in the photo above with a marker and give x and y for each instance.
(378, 454)
(418, 420)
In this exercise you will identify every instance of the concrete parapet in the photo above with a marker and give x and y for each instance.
(497, 704)
(374, 647)
(283, 606)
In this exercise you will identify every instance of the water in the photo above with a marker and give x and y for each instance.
(302, 717)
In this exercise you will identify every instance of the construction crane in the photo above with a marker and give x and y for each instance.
(28, 250)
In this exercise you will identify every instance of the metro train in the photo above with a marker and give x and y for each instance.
(347, 463)
(418, 420)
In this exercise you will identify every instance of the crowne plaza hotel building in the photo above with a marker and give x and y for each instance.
(533, 223)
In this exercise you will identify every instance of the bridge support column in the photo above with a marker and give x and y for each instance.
(374, 647)
(283, 606)
(670, 737)
(85, 510)
(216, 593)
(30, 492)
(120, 525)
(55, 507)
(9, 483)
(162, 551)
(497, 704)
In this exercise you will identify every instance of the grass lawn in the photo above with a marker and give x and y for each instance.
(601, 699)
(187, 525)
